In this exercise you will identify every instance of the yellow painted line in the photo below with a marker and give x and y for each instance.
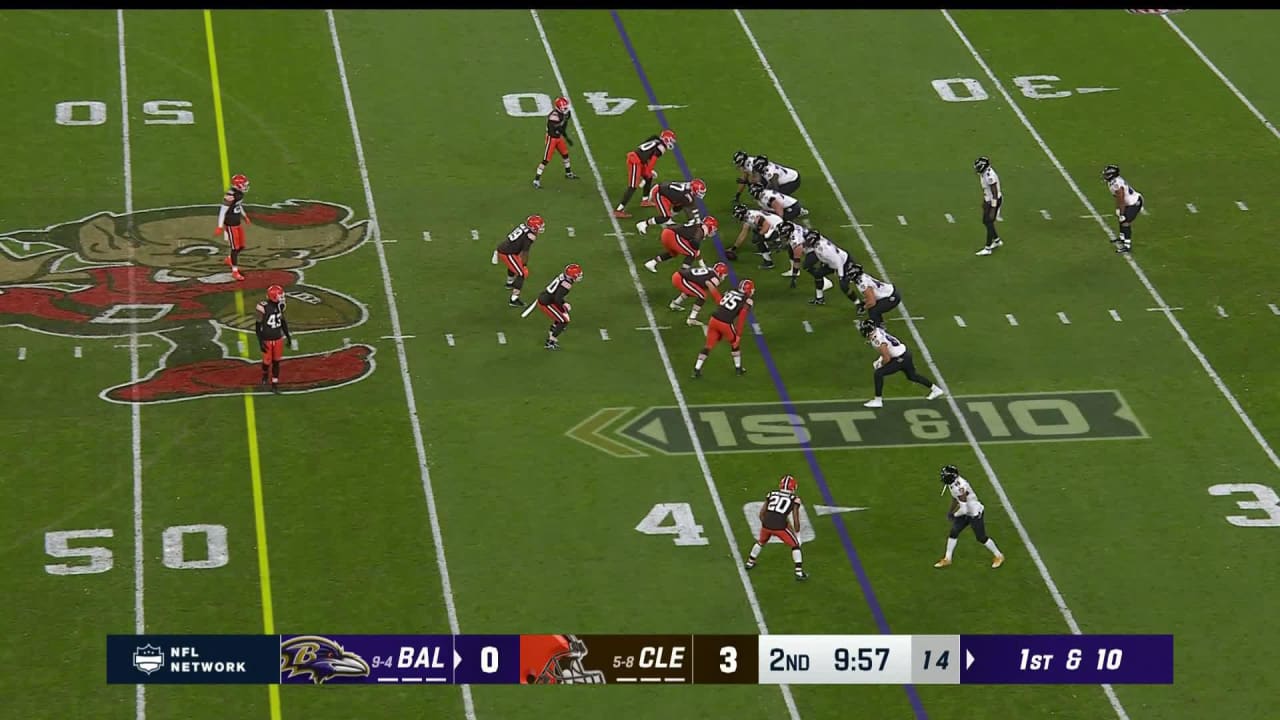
(250, 417)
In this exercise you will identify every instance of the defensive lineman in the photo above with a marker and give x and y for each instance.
(965, 511)
(894, 356)
(780, 518)
(992, 199)
(1128, 205)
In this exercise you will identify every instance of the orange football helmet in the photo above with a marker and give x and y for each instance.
(275, 293)
(555, 660)
(788, 483)
(240, 182)
(573, 271)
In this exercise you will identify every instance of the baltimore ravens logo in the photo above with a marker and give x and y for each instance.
(321, 658)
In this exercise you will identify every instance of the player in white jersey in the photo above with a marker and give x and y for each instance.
(743, 162)
(992, 199)
(1128, 205)
(965, 512)
(877, 297)
(825, 258)
(778, 203)
(792, 235)
(763, 227)
(778, 177)
(894, 356)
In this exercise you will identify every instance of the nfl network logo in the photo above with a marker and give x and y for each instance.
(148, 658)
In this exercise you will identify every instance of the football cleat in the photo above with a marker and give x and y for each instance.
(642, 227)
(516, 302)
(240, 182)
(573, 271)
(675, 305)
(621, 214)
(800, 576)
(944, 562)
(236, 274)
(646, 203)
(873, 403)
(818, 301)
(537, 184)
(551, 345)
(984, 251)
(740, 371)
(692, 322)
(935, 392)
(651, 265)
(748, 565)
(227, 261)
(275, 388)
(697, 373)
(570, 175)
(997, 561)
(668, 138)
(562, 104)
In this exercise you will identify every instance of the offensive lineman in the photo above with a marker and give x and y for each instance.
(684, 241)
(673, 197)
(272, 330)
(894, 356)
(640, 164)
(229, 227)
(1128, 205)
(697, 282)
(557, 136)
(780, 518)
(965, 511)
(992, 199)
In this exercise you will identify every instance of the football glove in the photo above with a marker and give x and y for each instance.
(879, 361)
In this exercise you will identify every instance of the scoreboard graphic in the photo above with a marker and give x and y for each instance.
(552, 659)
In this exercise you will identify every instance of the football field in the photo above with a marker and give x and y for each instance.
(430, 468)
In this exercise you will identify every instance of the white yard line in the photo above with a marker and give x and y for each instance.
(731, 536)
(1221, 76)
(135, 409)
(928, 358)
(411, 402)
(1128, 257)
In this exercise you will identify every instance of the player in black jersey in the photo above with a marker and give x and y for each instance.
(229, 217)
(780, 518)
(553, 304)
(272, 330)
(557, 137)
(514, 253)
(697, 283)
(640, 163)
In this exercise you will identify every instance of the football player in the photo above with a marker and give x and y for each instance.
(555, 660)
(965, 512)
(992, 199)
(726, 324)
(792, 235)
(696, 282)
(230, 216)
(877, 298)
(684, 241)
(514, 253)
(780, 518)
(777, 177)
(778, 203)
(1128, 205)
(763, 227)
(825, 258)
(894, 356)
(557, 137)
(553, 304)
(272, 330)
(640, 163)
(743, 162)
(672, 197)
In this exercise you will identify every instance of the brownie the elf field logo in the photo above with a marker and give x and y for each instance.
(158, 274)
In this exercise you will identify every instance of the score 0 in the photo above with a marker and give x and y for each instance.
(726, 659)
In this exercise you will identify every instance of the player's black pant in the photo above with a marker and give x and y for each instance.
(904, 363)
(977, 523)
(989, 214)
(883, 305)
(791, 187)
(1126, 222)
(792, 212)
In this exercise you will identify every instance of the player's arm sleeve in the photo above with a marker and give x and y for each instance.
(559, 295)
(222, 214)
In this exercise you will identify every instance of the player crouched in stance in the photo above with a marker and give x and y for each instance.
(894, 356)
(272, 330)
(965, 511)
(696, 282)
(514, 253)
(726, 324)
(557, 137)
(1128, 205)
(672, 197)
(684, 241)
(552, 303)
(780, 518)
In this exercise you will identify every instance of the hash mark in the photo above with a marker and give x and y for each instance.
(809, 328)
(1045, 214)
(755, 328)
(618, 234)
(1012, 320)
(960, 321)
(1240, 204)
(604, 334)
(475, 234)
(1222, 312)
(1162, 308)
(660, 327)
(1274, 310)
(77, 351)
(22, 353)
(1063, 317)
(397, 337)
(448, 337)
(950, 218)
(138, 345)
(293, 344)
(902, 220)
(502, 338)
(1116, 316)
(858, 225)
(1191, 208)
(426, 235)
(346, 342)
(572, 232)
